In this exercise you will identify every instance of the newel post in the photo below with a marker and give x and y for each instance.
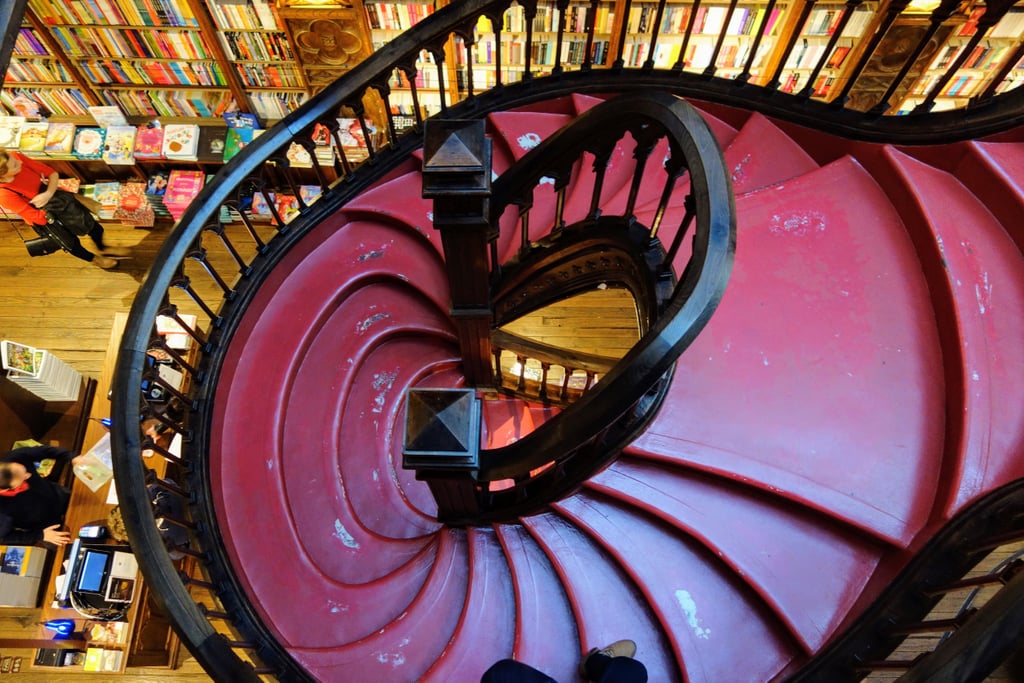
(457, 176)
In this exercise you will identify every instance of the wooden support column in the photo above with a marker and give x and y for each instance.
(457, 176)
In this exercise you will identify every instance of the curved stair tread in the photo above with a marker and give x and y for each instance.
(755, 536)
(761, 154)
(402, 650)
(298, 613)
(546, 635)
(985, 274)
(336, 407)
(486, 629)
(411, 210)
(994, 172)
(823, 357)
(368, 445)
(699, 602)
(605, 602)
(504, 420)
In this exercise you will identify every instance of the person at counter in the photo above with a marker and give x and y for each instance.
(32, 507)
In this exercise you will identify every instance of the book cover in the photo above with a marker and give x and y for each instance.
(298, 156)
(260, 207)
(236, 140)
(132, 206)
(119, 147)
(105, 632)
(240, 119)
(69, 184)
(33, 138)
(149, 142)
(60, 138)
(105, 193)
(212, 140)
(10, 131)
(19, 358)
(181, 141)
(106, 116)
(309, 193)
(89, 143)
(287, 206)
(156, 183)
(183, 186)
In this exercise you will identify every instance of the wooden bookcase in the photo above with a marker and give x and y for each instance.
(189, 60)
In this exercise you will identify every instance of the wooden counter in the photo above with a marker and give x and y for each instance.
(87, 507)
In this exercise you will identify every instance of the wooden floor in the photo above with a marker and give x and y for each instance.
(65, 305)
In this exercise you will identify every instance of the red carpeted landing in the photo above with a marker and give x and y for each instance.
(859, 383)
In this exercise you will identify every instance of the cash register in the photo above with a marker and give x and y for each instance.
(100, 580)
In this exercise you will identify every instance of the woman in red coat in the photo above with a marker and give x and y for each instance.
(26, 186)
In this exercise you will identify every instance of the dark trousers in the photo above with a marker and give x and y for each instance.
(599, 669)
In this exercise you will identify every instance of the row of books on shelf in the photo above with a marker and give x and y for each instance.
(263, 47)
(122, 145)
(1010, 26)
(391, 16)
(980, 57)
(120, 12)
(167, 102)
(109, 71)
(251, 15)
(129, 43)
(547, 19)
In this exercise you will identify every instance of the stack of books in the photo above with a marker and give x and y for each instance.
(40, 372)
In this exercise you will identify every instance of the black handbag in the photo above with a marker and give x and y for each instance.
(37, 246)
(41, 246)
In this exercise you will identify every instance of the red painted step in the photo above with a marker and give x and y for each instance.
(826, 420)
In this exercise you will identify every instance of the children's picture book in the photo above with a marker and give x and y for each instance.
(33, 138)
(181, 141)
(133, 207)
(105, 632)
(287, 206)
(106, 194)
(156, 183)
(236, 140)
(149, 142)
(10, 131)
(309, 193)
(298, 156)
(19, 358)
(260, 206)
(89, 143)
(108, 115)
(241, 119)
(212, 140)
(60, 138)
(69, 184)
(119, 147)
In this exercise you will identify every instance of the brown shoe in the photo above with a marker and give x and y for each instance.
(117, 251)
(620, 648)
(104, 262)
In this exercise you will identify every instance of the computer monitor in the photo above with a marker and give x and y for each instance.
(93, 576)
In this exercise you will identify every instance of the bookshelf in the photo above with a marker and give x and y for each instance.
(982, 56)
(816, 38)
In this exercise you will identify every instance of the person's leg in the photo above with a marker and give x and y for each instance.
(601, 668)
(78, 251)
(511, 671)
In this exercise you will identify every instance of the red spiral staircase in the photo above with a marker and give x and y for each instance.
(857, 387)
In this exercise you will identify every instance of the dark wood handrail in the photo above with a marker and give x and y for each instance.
(991, 114)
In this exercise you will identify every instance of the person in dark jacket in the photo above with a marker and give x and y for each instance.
(32, 507)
